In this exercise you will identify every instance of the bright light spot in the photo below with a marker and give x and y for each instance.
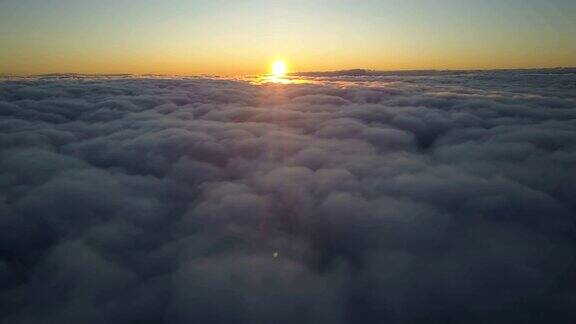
(279, 68)
(275, 255)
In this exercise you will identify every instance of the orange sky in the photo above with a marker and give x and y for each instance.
(243, 37)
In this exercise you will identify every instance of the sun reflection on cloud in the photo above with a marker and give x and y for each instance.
(279, 73)
(267, 78)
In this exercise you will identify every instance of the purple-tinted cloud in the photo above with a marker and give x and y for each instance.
(363, 198)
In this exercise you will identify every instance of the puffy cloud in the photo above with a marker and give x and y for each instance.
(358, 197)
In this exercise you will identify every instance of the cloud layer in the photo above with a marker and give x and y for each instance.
(371, 198)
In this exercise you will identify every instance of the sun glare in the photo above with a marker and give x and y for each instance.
(279, 68)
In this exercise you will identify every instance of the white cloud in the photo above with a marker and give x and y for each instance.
(430, 197)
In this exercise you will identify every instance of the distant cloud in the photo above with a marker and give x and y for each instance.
(365, 198)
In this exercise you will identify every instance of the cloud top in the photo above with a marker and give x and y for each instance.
(364, 198)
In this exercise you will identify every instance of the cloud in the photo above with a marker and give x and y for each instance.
(356, 198)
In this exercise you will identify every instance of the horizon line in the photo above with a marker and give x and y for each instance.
(353, 71)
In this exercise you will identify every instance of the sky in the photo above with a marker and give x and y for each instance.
(244, 37)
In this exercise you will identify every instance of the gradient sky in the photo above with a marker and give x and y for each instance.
(243, 37)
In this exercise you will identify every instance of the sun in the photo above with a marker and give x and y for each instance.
(279, 68)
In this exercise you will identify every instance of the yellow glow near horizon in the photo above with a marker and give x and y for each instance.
(112, 37)
(279, 68)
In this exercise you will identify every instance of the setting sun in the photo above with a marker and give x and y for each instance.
(279, 68)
